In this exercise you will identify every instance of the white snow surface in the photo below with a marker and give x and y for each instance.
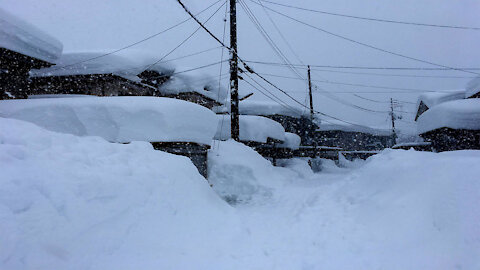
(432, 99)
(22, 37)
(118, 119)
(252, 107)
(473, 87)
(457, 114)
(333, 125)
(195, 82)
(252, 129)
(71, 203)
(292, 141)
(71, 64)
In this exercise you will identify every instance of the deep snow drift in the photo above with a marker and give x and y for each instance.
(71, 202)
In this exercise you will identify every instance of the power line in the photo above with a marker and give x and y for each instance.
(377, 101)
(138, 42)
(359, 67)
(367, 45)
(357, 85)
(192, 54)
(374, 19)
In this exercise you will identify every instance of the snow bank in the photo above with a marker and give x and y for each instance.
(240, 175)
(22, 37)
(118, 119)
(292, 141)
(252, 129)
(82, 203)
(336, 125)
(473, 87)
(457, 114)
(200, 83)
(434, 98)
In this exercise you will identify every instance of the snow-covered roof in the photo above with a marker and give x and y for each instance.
(249, 107)
(22, 37)
(292, 141)
(434, 98)
(457, 114)
(473, 87)
(118, 119)
(202, 84)
(252, 129)
(71, 64)
(336, 125)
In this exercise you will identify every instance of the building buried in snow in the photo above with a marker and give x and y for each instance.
(22, 47)
(90, 74)
(125, 120)
(351, 137)
(453, 125)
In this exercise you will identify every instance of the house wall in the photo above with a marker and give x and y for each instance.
(447, 139)
(303, 127)
(354, 141)
(195, 98)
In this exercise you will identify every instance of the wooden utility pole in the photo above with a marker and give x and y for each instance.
(310, 93)
(235, 127)
(393, 122)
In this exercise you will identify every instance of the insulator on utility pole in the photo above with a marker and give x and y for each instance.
(235, 126)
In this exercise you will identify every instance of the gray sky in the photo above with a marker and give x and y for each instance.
(110, 24)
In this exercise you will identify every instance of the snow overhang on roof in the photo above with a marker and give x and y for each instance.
(202, 84)
(473, 87)
(22, 37)
(434, 98)
(252, 129)
(336, 125)
(249, 107)
(457, 114)
(90, 63)
(118, 119)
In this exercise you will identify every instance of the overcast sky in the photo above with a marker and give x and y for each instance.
(85, 25)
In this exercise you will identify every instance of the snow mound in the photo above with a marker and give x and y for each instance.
(473, 87)
(292, 141)
(200, 83)
(457, 114)
(118, 119)
(336, 125)
(22, 37)
(252, 129)
(68, 202)
(240, 175)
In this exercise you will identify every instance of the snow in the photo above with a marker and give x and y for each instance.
(118, 119)
(252, 107)
(473, 87)
(71, 64)
(434, 98)
(411, 144)
(200, 83)
(58, 96)
(70, 202)
(82, 203)
(22, 37)
(457, 114)
(336, 125)
(252, 129)
(292, 141)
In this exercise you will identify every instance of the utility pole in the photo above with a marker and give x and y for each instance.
(393, 122)
(235, 127)
(310, 93)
